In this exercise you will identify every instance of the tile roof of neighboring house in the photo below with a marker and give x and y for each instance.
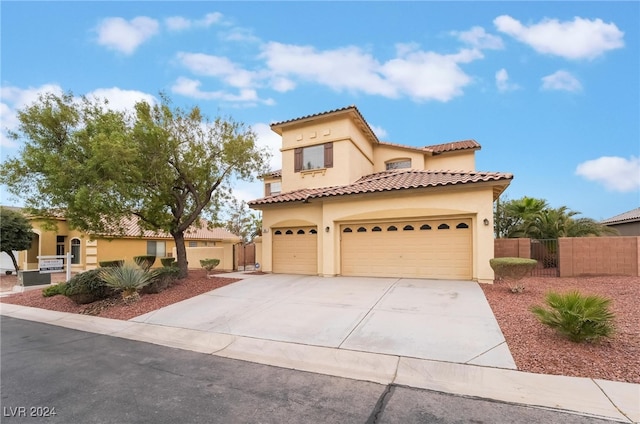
(273, 174)
(630, 216)
(132, 229)
(388, 181)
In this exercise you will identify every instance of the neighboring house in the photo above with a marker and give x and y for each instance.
(628, 223)
(346, 203)
(88, 250)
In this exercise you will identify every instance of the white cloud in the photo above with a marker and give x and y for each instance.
(125, 36)
(180, 23)
(122, 100)
(177, 23)
(561, 80)
(210, 19)
(615, 173)
(218, 66)
(502, 81)
(480, 39)
(380, 132)
(418, 74)
(577, 39)
(191, 88)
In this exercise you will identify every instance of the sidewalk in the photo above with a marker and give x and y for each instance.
(615, 401)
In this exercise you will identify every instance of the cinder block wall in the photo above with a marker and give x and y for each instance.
(599, 256)
(512, 248)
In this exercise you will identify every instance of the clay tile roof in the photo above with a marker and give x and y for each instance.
(453, 146)
(388, 181)
(630, 216)
(132, 229)
(273, 174)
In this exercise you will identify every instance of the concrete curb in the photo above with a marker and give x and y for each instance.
(612, 400)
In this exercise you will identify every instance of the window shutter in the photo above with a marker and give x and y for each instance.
(328, 155)
(297, 165)
(267, 189)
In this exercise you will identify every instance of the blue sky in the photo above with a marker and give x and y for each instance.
(551, 90)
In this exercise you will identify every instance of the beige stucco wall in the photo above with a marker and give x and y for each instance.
(384, 153)
(455, 161)
(224, 252)
(475, 204)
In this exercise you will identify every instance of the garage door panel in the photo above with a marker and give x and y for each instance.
(295, 250)
(416, 249)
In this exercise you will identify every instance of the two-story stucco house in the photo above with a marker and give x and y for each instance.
(346, 203)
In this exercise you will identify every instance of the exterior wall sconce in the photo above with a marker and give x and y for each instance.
(326, 229)
(486, 221)
(265, 230)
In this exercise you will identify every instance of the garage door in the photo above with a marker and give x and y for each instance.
(425, 249)
(295, 250)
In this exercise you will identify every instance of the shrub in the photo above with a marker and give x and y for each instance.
(162, 279)
(577, 317)
(110, 264)
(513, 270)
(54, 290)
(87, 287)
(145, 261)
(168, 262)
(209, 264)
(127, 279)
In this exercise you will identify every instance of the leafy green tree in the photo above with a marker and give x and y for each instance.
(162, 164)
(15, 233)
(242, 221)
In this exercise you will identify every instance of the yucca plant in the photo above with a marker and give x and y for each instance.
(127, 279)
(580, 318)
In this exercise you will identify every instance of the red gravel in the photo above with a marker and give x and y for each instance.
(538, 349)
(534, 347)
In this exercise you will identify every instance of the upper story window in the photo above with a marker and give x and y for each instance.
(273, 188)
(313, 157)
(398, 164)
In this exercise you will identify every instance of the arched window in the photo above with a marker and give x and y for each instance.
(443, 227)
(278, 233)
(362, 230)
(392, 228)
(313, 231)
(347, 230)
(462, 225)
(398, 164)
(425, 227)
(300, 231)
(376, 229)
(75, 251)
(408, 228)
(289, 232)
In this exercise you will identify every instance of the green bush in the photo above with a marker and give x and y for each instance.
(87, 287)
(512, 270)
(209, 264)
(577, 317)
(54, 290)
(110, 264)
(126, 279)
(162, 279)
(145, 261)
(168, 262)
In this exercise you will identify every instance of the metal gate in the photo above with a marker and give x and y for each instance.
(546, 253)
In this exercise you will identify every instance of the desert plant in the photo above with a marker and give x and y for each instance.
(108, 264)
(126, 279)
(512, 270)
(162, 279)
(209, 265)
(87, 287)
(168, 262)
(580, 318)
(145, 261)
(54, 290)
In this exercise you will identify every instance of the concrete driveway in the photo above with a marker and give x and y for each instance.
(426, 319)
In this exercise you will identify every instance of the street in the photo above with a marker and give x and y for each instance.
(51, 374)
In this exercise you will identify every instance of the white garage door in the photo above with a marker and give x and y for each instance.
(295, 250)
(425, 249)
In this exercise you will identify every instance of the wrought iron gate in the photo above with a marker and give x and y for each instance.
(546, 253)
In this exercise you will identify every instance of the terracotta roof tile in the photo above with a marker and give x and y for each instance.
(453, 146)
(630, 216)
(387, 181)
(132, 229)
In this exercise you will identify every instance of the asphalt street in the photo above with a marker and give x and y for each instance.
(51, 374)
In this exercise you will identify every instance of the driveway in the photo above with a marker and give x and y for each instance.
(418, 318)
